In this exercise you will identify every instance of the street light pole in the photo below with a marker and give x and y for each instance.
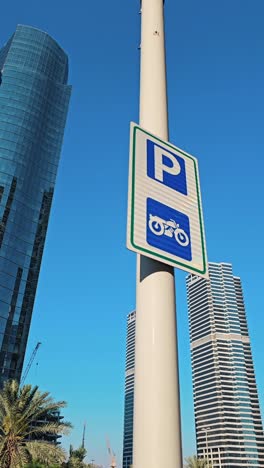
(157, 428)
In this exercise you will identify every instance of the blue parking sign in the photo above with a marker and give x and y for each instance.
(168, 229)
(165, 218)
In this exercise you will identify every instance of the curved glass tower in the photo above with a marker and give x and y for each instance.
(34, 99)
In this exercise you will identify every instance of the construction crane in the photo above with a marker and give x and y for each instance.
(32, 357)
(111, 454)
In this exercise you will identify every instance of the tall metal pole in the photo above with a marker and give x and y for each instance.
(157, 428)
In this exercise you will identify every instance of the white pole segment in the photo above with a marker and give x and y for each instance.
(157, 429)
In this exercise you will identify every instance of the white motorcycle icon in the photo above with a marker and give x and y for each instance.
(169, 228)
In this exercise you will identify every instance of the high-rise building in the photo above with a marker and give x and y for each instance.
(227, 414)
(129, 391)
(34, 99)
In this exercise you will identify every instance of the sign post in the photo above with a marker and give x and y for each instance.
(165, 228)
(157, 427)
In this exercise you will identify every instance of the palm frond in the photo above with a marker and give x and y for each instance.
(39, 405)
(49, 428)
(46, 452)
(26, 412)
(194, 462)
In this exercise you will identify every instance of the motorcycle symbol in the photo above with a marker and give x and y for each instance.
(169, 228)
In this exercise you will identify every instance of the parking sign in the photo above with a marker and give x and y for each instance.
(165, 220)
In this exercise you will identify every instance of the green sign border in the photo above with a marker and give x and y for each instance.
(159, 256)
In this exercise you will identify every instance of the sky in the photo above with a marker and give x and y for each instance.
(215, 71)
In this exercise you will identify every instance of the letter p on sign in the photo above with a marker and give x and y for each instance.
(161, 157)
(166, 167)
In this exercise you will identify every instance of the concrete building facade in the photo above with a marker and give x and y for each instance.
(229, 428)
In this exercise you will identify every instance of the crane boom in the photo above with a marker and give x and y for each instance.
(32, 357)
(111, 454)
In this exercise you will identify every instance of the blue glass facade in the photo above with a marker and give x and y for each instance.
(34, 99)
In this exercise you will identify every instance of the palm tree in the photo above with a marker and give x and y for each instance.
(35, 464)
(194, 462)
(23, 426)
(76, 458)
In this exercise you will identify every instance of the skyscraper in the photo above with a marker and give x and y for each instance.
(34, 99)
(227, 415)
(129, 391)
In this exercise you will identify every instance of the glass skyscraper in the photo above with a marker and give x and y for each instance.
(227, 414)
(129, 391)
(34, 99)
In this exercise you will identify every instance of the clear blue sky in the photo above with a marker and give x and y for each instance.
(87, 282)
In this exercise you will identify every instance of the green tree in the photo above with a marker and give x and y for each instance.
(194, 462)
(35, 464)
(20, 432)
(76, 458)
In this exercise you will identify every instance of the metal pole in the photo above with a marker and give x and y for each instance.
(157, 428)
